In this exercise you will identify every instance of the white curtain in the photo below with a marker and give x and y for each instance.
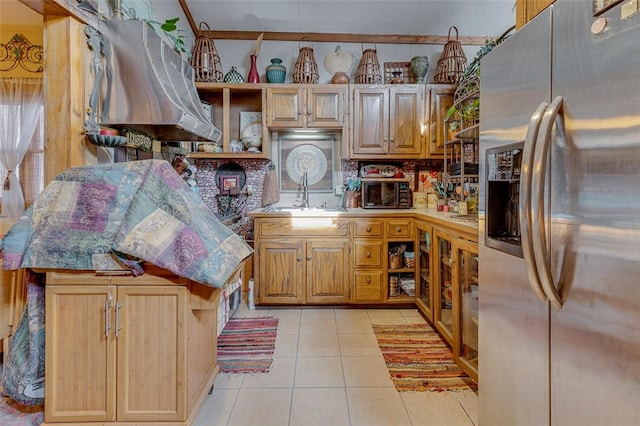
(21, 101)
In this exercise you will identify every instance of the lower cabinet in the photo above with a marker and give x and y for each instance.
(296, 269)
(455, 296)
(424, 281)
(127, 349)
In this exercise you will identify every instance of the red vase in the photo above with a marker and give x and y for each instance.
(254, 77)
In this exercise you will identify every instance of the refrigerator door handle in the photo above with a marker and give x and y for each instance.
(540, 250)
(524, 209)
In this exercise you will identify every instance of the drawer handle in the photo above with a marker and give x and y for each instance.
(368, 254)
(368, 280)
(398, 229)
(368, 229)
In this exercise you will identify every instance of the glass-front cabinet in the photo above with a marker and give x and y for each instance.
(424, 291)
(443, 291)
(466, 255)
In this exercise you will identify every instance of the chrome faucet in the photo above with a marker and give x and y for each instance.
(305, 191)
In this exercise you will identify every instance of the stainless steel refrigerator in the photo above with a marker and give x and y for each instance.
(559, 269)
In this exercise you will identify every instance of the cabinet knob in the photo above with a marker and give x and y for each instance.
(398, 229)
(392, 140)
(451, 261)
(368, 280)
(299, 258)
(368, 229)
(309, 257)
(368, 254)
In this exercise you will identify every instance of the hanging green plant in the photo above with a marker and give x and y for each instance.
(172, 32)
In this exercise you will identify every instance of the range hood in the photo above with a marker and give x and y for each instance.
(148, 86)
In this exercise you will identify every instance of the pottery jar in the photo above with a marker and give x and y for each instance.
(276, 72)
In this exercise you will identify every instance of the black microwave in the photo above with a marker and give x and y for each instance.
(386, 193)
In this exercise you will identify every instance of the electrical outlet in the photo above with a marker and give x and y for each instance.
(339, 189)
(629, 9)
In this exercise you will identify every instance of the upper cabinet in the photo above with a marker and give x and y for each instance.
(226, 102)
(526, 10)
(298, 106)
(387, 121)
(439, 100)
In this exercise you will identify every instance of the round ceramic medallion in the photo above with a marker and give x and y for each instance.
(306, 158)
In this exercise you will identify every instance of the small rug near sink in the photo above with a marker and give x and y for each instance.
(246, 345)
(419, 360)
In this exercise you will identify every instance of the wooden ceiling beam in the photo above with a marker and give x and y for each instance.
(345, 38)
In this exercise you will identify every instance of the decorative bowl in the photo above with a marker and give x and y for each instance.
(110, 141)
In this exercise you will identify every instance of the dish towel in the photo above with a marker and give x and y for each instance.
(270, 192)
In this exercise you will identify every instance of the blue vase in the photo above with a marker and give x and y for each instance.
(276, 72)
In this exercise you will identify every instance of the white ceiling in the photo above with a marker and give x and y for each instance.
(417, 17)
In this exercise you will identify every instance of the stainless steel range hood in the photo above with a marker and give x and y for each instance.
(148, 85)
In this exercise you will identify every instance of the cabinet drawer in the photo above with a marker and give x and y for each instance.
(368, 253)
(368, 286)
(369, 228)
(398, 228)
(303, 226)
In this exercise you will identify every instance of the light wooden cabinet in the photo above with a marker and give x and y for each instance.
(455, 293)
(307, 106)
(304, 262)
(387, 121)
(526, 10)
(127, 349)
(226, 102)
(439, 100)
(368, 260)
(376, 279)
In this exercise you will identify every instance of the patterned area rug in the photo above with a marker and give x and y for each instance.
(246, 345)
(419, 360)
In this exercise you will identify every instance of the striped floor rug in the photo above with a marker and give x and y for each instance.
(419, 360)
(246, 345)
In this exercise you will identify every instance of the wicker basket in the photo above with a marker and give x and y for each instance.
(452, 62)
(305, 70)
(402, 67)
(205, 59)
(368, 71)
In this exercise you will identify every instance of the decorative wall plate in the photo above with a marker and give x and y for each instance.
(306, 158)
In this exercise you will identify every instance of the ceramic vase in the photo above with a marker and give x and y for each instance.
(419, 67)
(276, 72)
(254, 77)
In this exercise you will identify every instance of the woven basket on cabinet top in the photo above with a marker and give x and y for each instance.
(368, 71)
(452, 62)
(205, 59)
(305, 70)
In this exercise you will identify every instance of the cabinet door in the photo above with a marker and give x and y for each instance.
(444, 290)
(326, 107)
(151, 339)
(80, 363)
(439, 100)
(424, 282)
(286, 107)
(370, 121)
(280, 272)
(328, 271)
(405, 116)
(466, 255)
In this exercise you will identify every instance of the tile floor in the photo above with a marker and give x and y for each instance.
(328, 370)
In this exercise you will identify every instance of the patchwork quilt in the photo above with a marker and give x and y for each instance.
(117, 215)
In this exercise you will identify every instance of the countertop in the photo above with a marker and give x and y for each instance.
(452, 220)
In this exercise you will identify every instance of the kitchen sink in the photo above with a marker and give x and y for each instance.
(303, 210)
